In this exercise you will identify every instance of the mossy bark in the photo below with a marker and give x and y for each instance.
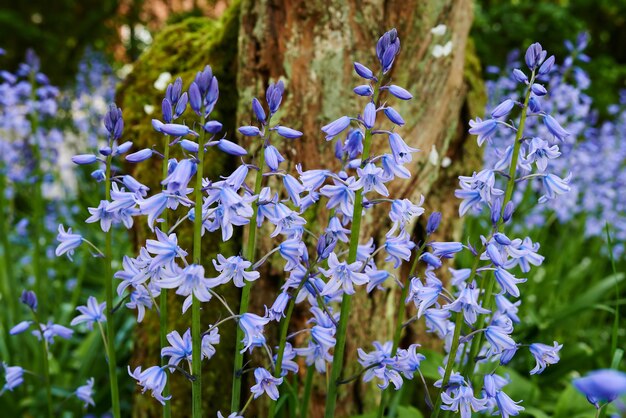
(311, 45)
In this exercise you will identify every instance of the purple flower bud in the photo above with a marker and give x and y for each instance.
(534, 55)
(554, 127)
(501, 238)
(369, 115)
(157, 125)
(258, 110)
(249, 131)
(231, 148)
(124, 148)
(113, 121)
(139, 156)
(363, 71)
(394, 116)
(173, 90)
(189, 146)
(534, 105)
(538, 89)
(519, 76)
(83, 159)
(106, 151)
(431, 260)
(364, 90)
(212, 95)
(134, 186)
(433, 222)
(213, 126)
(98, 175)
(288, 132)
(181, 105)
(203, 80)
(508, 212)
(21, 327)
(354, 143)
(336, 127)
(399, 92)
(166, 110)
(175, 129)
(29, 298)
(273, 157)
(339, 152)
(496, 209)
(325, 245)
(546, 66)
(503, 109)
(195, 98)
(274, 95)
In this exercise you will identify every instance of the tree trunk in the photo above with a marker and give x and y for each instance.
(311, 46)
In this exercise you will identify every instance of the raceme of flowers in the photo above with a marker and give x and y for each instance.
(473, 310)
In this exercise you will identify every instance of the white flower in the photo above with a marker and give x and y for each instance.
(439, 30)
(162, 81)
(440, 51)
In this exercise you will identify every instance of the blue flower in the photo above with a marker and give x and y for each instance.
(369, 115)
(292, 250)
(179, 349)
(274, 95)
(445, 249)
(153, 379)
(425, 296)
(393, 115)
(273, 158)
(231, 148)
(462, 401)
(84, 159)
(288, 365)
(29, 298)
(555, 128)
(336, 127)
(371, 178)
(540, 152)
(554, 186)
(265, 383)
(85, 393)
(91, 313)
(399, 149)
(101, 214)
(468, 303)
(508, 282)
(403, 212)
(399, 92)
(341, 195)
(234, 268)
(257, 108)
(507, 406)
(287, 132)
(343, 276)
(602, 385)
(399, 248)
(363, 71)
(252, 327)
(14, 377)
(485, 129)
(190, 281)
(139, 156)
(502, 109)
(499, 339)
(544, 355)
(277, 311)
(166, 250)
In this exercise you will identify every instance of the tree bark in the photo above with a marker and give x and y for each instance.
(311, 46)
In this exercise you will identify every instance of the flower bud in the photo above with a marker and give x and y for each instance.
(433, 222)
(29, 298)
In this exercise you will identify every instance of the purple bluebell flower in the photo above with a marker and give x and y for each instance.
(91, 313)
(213, 127)
(234, 268)
(519, 76)
(340, 195)
(166, 250)
(508, 282)
(189, 282)
(101, 214)
(393, 115)
(292, 250)
(499, 339)
(431, 260)
(387, 47)
(555, 128)
(468, 303)
(153, 379)
(363, 71)
(371, 178)
(265, 383)
(403, 212)
(48, 331)
(336, 127)
(84, 159)
(249, 131)
(399, 92)
(252, 327)
(462, 401)
(277, 311)
(190, 146)
(29, 298)
(554, 186)
(503, 109)
(139, 156)
(485, 129)
(364, 90)
(425, 296)
(369, 115)
(433, 222)
(98, 175)
(445, 249)
(507, 406)
(174, 129)
(437, 321)
(85, 393)
(400, 150)
(113, 121)
(602, 385)
(231, 148)
(534, 56)
(273, 158)
(274, 96)
(342, 276)
(13, 376)
(134, 186)
(538, 90)
(293, 188)
(288, 365)
(399, 248)
(287, 132)
(257, 108)
(180, 348)
(544, 355)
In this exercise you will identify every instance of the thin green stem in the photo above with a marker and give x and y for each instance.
(346, 301)
(399, 324)
(167, 408)
(196, 333)
(108, 285)
(46, 365)
(250, 253)
(615, 332)
(306, 396)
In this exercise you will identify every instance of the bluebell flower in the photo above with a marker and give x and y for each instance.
(258, 110)
(387, 47)
(544, 355)
(535, 55)
(353, 144)
(173, 129)
(425, 296)
(288, 365)
(84, 159)
(547, 65)
(153, 379)
(277, 311)
(400, 150)
(363, 71)
(315, 354)
(98, 175)
(392, 169)
(508, 308)
(336, 127)
(499, 339)
(234, 268)
(433, 222)
(462, 401)
(140, 299)
(399, 248)
(341, 195)
(286, 220)
(20, 327)
(459, 276)
(179, 349)
(249, 131)
(371, 178)
(13, 376)
(485, 129)
(376, 277)
(393, 115)
(468, 303)
(208, 342)
(554, 186)
(139, 156)
(538, 90)
(398, 92)
(402, 212)
(101, 214)
(85, 393)
(502, 109)
(313, 179)
(364, 90)
(555, 128)
(540, 152)
(190, 281)
(507, 281)
(190, 146)
(273, 158)
(286, 132)
(252, 327)
(379, 364)
(48, 331)
(292, 250)
(231, 148)
(91, 313)
(342, 276)
(369, 115)
(29, 298)
(265, 383)
(134, 186)
(431, 260)
(437, 321)
(166, 250)
(602, 386)
(336, 230)
(524, 253)
(408, 360)
(507, 406)
(274, 95)
(445, 249)
(113, 121)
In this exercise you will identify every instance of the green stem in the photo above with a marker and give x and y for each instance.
(346, 301)
(399, 325)
(306, 396)
(108, 285)
(9, 284)
(250, 253)
(167, 408)
(196, 333)
(46, 365)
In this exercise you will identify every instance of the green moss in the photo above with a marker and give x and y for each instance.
(183, 49)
